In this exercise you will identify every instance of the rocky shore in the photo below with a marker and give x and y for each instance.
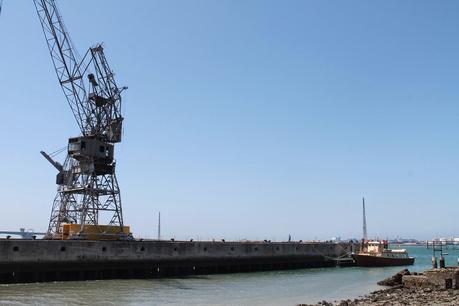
(409, 289)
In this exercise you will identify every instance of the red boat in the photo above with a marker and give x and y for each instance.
(376, 253)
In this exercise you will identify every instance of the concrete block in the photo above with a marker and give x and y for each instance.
(416, 281)
(444, 278)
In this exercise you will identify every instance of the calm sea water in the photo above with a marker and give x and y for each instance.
(263, 288)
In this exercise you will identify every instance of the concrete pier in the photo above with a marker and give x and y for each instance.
(64, 260)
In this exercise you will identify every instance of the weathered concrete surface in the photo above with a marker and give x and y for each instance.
(444, 278)
(50, 260)
(435, 278)
(416, 281)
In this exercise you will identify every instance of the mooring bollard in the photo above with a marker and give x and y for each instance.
(442, 262)
(434, 262)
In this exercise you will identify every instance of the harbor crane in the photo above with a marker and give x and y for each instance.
(88, 202)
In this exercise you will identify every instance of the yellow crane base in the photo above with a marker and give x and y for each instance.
(94, 232)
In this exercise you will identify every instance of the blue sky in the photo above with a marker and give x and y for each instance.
(250, 119)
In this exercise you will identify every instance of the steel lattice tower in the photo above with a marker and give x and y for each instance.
(88, 191)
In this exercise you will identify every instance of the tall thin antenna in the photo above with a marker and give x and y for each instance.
(159, 226)
(365, 236)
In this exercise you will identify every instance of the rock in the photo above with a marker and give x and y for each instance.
(394, 280)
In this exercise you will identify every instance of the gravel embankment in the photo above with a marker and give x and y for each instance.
(397, 295)
(400, 296)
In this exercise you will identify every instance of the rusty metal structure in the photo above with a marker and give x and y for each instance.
(88, 193)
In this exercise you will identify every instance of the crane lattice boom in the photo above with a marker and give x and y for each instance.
(68, 68)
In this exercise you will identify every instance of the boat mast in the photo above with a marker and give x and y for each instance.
(365, 237)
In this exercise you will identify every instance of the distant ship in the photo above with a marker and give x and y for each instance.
(376, 253)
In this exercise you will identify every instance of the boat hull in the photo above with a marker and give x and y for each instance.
(379, 261)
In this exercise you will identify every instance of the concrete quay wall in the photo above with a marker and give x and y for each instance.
(61, 260)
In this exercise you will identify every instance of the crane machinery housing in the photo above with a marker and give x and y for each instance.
(88, 202)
